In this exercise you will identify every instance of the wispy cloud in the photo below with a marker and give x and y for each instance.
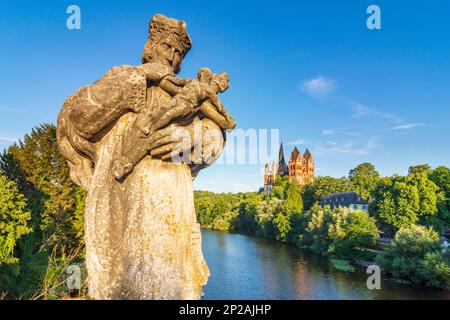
(297, 142)
(318, 87)
(238, 187)
(361, 110)
(407, 126)
(346, 148)
(340, 131)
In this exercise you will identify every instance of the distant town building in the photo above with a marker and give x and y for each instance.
(350, 200)
(300, 168)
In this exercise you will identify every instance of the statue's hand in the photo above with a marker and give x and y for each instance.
(198, 151)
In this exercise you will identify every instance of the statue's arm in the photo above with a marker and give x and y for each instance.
(156, 72)
(181, 82)
(216, 102)
(117, 69)
(222, 118)
(169, 86)
(173, 85)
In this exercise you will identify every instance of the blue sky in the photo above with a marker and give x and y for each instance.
(311, 69)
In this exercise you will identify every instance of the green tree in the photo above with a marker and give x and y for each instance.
(267, 211)
(323, 186)
(402, 201)
(78, 216)
(414, 257)
(246, 221)
(441, 177)
(340, 233)
(225, 222)
(396, 203)
(419, 169)
(351, 231)
(427, 190)
(317, 237)
(217, 211)
(13, 219)
(43, 175)
(279, 187)
(283, 225)
(364, 179)
(293, 198)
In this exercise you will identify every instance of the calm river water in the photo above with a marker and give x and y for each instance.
(244, 267)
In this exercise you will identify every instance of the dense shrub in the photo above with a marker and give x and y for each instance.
(415, 256)
(340, 233)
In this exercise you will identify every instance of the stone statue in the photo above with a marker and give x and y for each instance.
(134, 140)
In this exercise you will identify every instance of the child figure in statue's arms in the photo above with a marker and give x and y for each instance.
(190, 97)
(187, 101)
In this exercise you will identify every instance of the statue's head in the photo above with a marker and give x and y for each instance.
(222, 81)
(167, 43)
(204, 75)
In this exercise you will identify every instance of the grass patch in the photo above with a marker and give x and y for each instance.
(342, 265)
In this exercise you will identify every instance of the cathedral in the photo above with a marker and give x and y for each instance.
(300, 168)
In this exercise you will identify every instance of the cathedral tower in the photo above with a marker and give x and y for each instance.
(300, 168)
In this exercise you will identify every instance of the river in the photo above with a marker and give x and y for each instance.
(245, 267)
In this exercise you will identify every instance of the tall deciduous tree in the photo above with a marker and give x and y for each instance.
(364, 178)
(402, 201)
(396, 203)
(427, 190)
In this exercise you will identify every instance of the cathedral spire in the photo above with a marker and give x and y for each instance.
(282, 168)
(307, 154)
(281, 155)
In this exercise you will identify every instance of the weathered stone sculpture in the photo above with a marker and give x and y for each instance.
(134, 140)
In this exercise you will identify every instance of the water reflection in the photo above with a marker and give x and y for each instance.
(244, 267)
